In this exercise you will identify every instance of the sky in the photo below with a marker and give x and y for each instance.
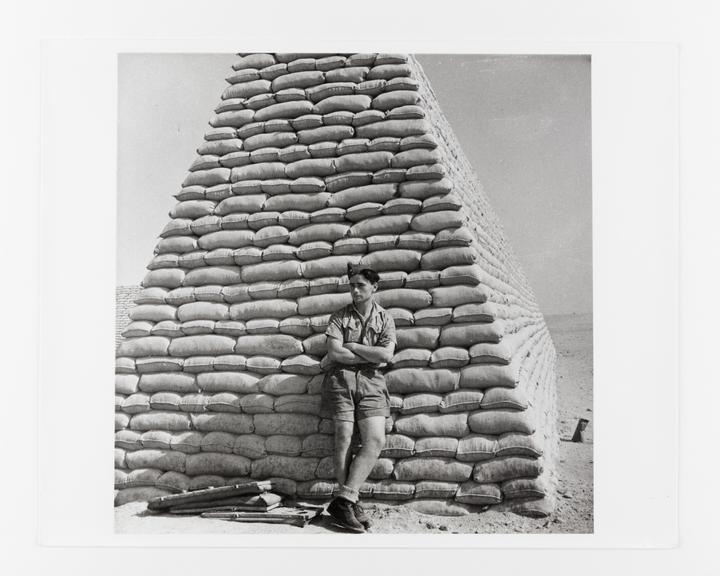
(522, 121)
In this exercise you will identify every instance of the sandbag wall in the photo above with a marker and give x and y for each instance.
(313, 161)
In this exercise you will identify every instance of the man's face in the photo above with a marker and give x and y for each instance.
(361, 288)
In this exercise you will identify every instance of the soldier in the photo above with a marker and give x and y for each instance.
(360, 342)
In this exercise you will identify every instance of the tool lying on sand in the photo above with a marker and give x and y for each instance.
(208, 495)
(251, 503)
(298, 515)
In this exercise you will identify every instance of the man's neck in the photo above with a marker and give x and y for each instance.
(364, 308)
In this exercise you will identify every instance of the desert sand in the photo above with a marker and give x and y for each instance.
(572, 335)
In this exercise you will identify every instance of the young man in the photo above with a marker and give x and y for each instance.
(360, 342)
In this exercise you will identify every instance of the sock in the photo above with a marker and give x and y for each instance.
(348, 493)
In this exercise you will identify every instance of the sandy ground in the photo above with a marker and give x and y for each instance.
(572, 335)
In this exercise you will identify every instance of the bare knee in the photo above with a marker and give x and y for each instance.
(343, 433)
(374, 443)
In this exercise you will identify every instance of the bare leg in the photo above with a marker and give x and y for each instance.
(342, 455)
(372, 433)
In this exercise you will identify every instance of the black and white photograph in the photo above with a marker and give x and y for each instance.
(354, 294)
(376, 288)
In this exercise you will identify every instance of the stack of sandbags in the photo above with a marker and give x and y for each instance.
(314, 161)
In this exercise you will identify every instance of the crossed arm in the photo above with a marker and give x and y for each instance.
(352, 353)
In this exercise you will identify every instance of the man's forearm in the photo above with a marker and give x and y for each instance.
(344, 356)
(375, 354)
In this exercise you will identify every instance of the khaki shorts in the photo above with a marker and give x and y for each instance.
(356, 393)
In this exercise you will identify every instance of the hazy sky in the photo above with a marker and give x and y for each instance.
(522, 121)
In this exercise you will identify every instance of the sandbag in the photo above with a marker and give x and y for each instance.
(158, 364)
(501, 422)
(328, 90)
(261, 171)
(423, 337)
(144, 346)
(271, 271)
(167, 382)
(411, 358)
(210, 177)
(464, 274)
(202, 311)
(294, 424)
(417, 403)
(504, 398)
(171, 421)
(316, 489)
(325, 134)
(126, 383)
(382, 469)
(433, 316)
(270, 308)
(223, 422)
(318, 445)
(217, 463)
(206, 344)
(440, 258)
(418, 425)
(213, 275)
(486, 312)
(424, 189)
(396, 128)
(524, 488)
(298, 469)
(478, 494)
(476, 447)
(398, 446)
(224, 402)
(303, 79)
(393, 490)
(379, 193)
(173, 481)
(296, 326)
(461, 401)
(250, 445)
(412, 299)
(349, 73)
(450, 296)
(263, 364)
(128, 440)
(392, 260)
(351, 103)
(193, 403)
(440, 469)
(507, 468)
(434, 222)
(160, 459)
(136, 403)
(449, 357)
(512, 444)
(257, 403)
(277, 345)
(164, 277)
(322, 304)
(411, 380)
(291, 109)
(238, 382)
(442, 447)
(472, 333)
(156, 439)
(187, 442)
(283, 445)
(381, 225)
(481, 376)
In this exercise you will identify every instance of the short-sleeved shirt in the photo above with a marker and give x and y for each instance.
(347, 325)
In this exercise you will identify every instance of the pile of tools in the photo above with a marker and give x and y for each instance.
(247, 502)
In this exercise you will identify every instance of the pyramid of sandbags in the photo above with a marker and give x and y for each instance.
(313, 161)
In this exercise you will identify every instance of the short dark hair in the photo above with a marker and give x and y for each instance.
(368, 273)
